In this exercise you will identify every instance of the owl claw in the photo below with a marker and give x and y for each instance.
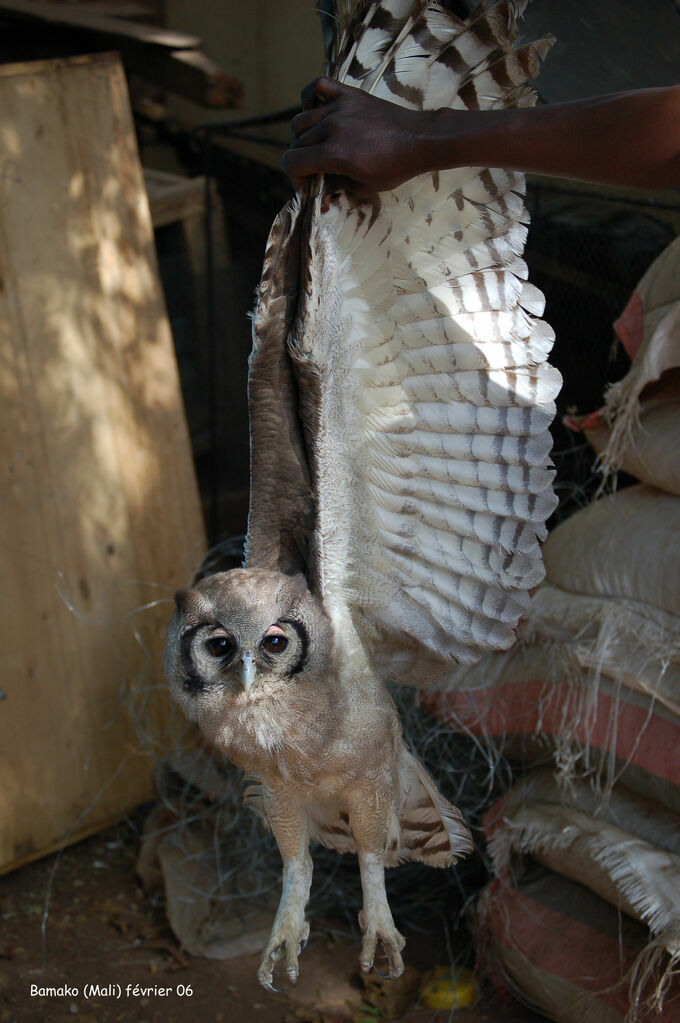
(280, 944)
(392, 942)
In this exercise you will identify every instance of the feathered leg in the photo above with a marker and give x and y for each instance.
(375, 826)
(288, 822)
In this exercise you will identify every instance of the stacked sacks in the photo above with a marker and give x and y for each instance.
(584, 911)
(584, 914)
(594, 681)
(638, 428)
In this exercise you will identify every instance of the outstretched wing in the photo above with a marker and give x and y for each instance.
(424, 391)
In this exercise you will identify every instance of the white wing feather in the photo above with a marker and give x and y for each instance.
(430, 434)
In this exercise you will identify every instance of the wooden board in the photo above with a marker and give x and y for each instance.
(174, 198)
(99, 511)
(188, 73)
(77, 16)
(171, 60)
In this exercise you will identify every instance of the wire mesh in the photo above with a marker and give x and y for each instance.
(587, 249)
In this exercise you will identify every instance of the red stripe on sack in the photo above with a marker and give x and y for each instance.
(579, 424)
(630, 326)
(566, 948)
(537, 707)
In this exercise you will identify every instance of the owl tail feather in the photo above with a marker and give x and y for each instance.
(432, 831)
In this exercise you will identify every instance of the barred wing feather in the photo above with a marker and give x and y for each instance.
(425, 392)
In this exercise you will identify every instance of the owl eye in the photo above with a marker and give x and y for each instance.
(274, 642)
(219, 646)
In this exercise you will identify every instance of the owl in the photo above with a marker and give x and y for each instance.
(399, 402)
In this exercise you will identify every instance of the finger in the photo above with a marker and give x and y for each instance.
(288, 163)
(321, 90)
(306, 120)
(301, 162)
(314, 136)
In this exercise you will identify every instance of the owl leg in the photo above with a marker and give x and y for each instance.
(289, 825)
(372, 832)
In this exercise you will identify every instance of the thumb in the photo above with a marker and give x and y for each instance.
(321, 90)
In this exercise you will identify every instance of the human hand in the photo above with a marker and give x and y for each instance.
(362, 143)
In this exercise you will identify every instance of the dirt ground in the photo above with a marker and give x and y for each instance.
(102, 930)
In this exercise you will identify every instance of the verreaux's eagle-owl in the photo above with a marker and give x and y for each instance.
(399, 401)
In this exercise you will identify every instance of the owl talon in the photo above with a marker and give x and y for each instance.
(392, 944)
(290, 945)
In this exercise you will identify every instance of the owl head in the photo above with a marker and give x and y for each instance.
(239, 636)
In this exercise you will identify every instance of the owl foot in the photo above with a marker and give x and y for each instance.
(381, 927)
(288, 941)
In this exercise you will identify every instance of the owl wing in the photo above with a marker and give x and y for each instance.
(281, 518)
(423, 388)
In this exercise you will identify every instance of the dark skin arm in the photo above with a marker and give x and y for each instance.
(368, 145)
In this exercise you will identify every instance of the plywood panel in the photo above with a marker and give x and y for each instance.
(99, 513)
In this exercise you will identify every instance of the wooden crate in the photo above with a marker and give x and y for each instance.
(99, 512)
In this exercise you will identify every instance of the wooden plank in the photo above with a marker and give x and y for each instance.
(173, 198)
(113, 8)
(147, 51)
(79, 18)
(99, 514)
(189, 73)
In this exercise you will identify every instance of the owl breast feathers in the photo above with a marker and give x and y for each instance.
(399, 387)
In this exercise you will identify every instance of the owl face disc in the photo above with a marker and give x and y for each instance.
(239, 636)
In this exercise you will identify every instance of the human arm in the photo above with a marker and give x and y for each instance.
(631, 139)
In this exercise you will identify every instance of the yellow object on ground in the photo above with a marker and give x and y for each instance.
(445, 988)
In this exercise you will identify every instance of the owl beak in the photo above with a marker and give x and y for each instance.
(247, 669)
